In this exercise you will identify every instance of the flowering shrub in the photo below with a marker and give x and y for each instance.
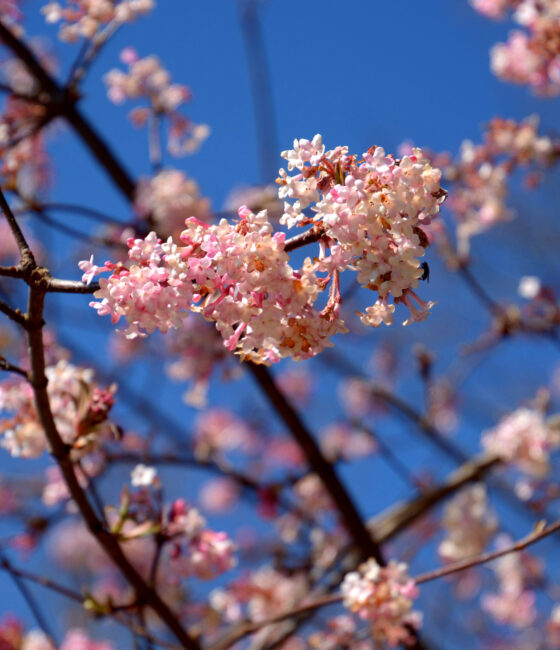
(272, 515)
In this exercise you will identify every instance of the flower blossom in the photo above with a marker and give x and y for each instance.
(195, 550)
(80, 409)
(478, 177)
(370, 217)
(372, 212)
(147, 79)
(143, 476)
(168, 198)
(524, 439)
(75, 639)
(531, 55)
(236, 275)
(383, 596)
(469, 524)
(85, 18)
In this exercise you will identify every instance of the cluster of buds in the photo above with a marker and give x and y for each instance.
(147, 79)
(235, 275)
(469, 524)
(369, 217)
(372, 211)
(80, 409)
(85, 18)
(531, 56)
(383, 596)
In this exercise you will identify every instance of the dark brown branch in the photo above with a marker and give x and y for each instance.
(40, 580)
(399, 516)
(539, 533)
(13, 314)
(15, 271)
(348, 512)
(65, 106)
(9, 367)
(25, 251)
(146, 595)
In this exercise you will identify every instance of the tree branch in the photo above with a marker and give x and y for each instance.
(347, 509)
(60, 451)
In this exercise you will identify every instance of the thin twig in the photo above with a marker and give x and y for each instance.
(13, 314)
(57, 285)
(9, 367)
(25, 251)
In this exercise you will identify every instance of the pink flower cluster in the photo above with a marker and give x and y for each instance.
(524, 439)
(383, 596)
(370, 216)
(85, 18)
(80, 408)
(515, 602)
(10, 11)
(265, 592)
(478, 177)
(147, 79)
(167, 199)
(218, 431)
(469, 524)
(195, 550)
(531, 56)
(339, 632)
(373, 212)
(236, 275)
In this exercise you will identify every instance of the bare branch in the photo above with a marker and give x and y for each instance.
(25, 251)
(346, 507)
(56, 285)
(9, 367)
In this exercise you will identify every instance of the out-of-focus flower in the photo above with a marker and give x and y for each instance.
(524, 439)
(469, 524)
(85, 18)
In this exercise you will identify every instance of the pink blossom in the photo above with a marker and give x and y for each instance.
(383, 596)
(85, 18)
(147, 79)
(523, 439)
(469, 524)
